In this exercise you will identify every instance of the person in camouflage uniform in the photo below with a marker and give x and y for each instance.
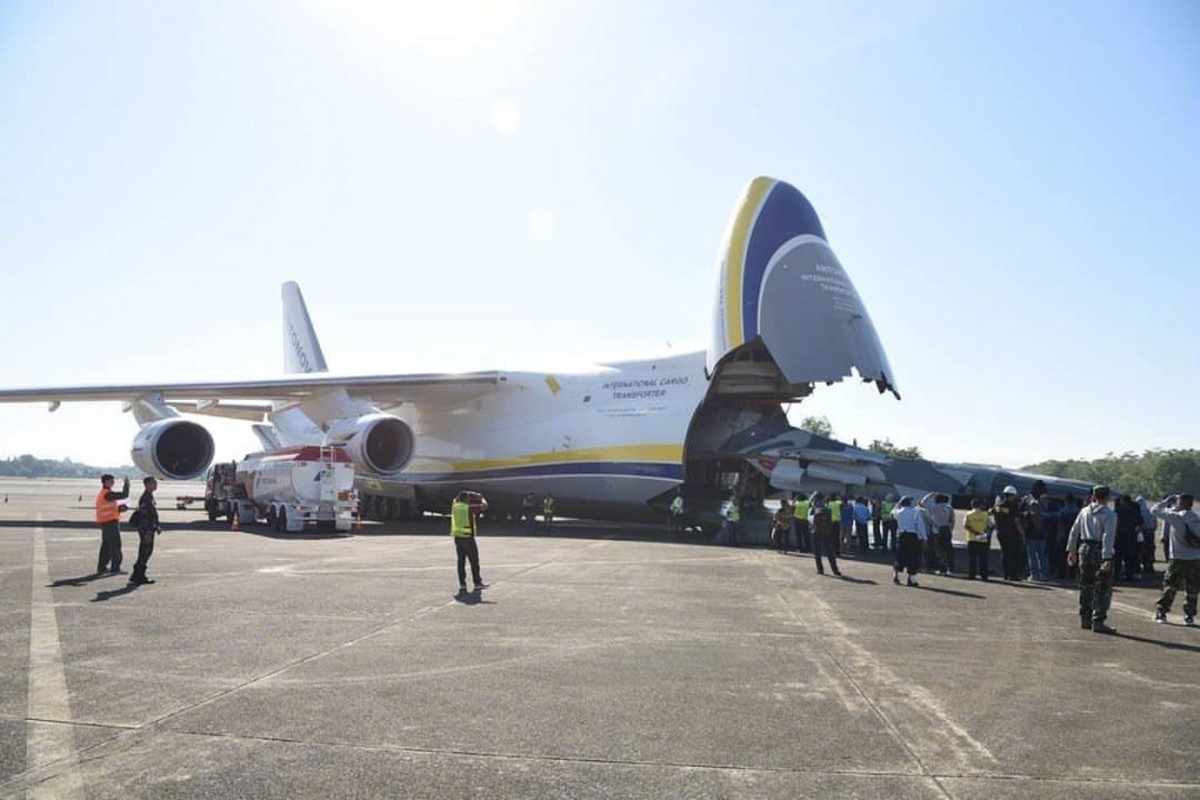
(1092, 545)
(1183, 567)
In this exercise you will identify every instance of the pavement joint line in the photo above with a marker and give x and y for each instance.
(48, 697)
(897, 735)
(621, 762)
(957, 734)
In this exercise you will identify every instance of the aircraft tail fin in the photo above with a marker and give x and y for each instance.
(301, 349)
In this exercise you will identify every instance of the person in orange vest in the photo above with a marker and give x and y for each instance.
(108, 517)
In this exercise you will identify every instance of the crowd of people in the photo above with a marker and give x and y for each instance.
(1041, 539)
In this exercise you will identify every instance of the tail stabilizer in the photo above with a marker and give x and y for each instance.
(780, 284)
(301, 349)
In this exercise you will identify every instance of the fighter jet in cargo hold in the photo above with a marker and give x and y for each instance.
(608, 440)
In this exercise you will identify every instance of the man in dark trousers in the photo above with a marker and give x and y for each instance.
(108, 517)
(147, 529)
(463, 527)
(1010, 530)
(824, 533)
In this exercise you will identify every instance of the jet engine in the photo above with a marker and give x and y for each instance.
(380, 444)
(173, 448)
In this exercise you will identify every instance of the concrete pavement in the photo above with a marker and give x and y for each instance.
(605, 662)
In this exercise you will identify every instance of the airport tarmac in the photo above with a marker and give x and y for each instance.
(608, 661)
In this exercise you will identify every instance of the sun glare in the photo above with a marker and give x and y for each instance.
(506, 116)
(446, 30)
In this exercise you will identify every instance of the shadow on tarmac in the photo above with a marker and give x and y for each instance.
(126, 589)
(473, 598)
(952, 592)
(860, 581)
(1187, 648)
(79, 581)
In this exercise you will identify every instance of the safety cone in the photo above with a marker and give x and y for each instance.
(358, 522)
(233, 521)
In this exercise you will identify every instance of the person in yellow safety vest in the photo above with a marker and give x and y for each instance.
(108, 517)
(675, 517)
(835, 516)
(891, 536)
(731, 517)
(548, 511)
(978, 545)
(464, 525)
(800, 523)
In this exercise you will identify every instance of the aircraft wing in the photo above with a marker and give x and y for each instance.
(229, 398)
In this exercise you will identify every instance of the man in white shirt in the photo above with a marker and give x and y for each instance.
(911, 524)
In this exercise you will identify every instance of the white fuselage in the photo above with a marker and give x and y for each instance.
(606, 439)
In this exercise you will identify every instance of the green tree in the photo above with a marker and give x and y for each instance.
(821, 426)
(886, 447)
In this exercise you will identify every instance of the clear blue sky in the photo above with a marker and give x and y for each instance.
(1013, 187)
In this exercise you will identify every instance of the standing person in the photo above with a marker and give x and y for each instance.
(1129, 520)
(941, 518)
(1092, 545)
(891, 538)
(846, 519)
(781, 523)
(148, 528)
(824, 533)
(1066, 518)
(108, 516)
(464, 525)
(835, 515)
(876, 524)
(862, 518)
(978, 546)
(675, 514)
(1032, 514)
(911, 524)
(800, 506)
(1183, 568)
(548, 511)
(1009, 530)
(529, 512)
(1149, 526)
(734, 517)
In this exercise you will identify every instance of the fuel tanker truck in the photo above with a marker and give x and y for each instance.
(289, 489)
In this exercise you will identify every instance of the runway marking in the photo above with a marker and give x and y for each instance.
(49, 732)
(909, 711)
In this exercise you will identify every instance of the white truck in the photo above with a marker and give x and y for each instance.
(289, 489)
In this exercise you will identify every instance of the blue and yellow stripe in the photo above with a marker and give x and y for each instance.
(770, 214)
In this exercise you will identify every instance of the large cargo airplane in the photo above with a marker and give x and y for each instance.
(609, 440)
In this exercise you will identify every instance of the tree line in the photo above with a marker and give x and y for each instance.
(1154, 473)
(27, 466)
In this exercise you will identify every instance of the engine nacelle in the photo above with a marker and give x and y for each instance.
(380, 444)
(173, 448)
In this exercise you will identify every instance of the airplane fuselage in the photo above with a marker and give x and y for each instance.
(603, 441)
